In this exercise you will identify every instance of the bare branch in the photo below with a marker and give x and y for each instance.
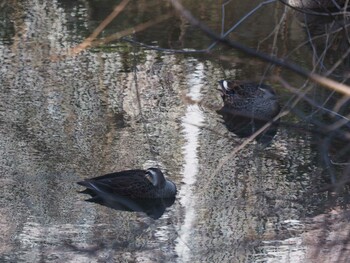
(131, 30)
(242, 20)
(88, 41)
(326, 82)
(91, 42)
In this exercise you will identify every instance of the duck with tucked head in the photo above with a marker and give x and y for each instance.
(144, 191)
(135, 184)
(247, 107)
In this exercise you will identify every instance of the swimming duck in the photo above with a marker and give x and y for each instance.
(250, 99)
(247, 107)
(134, 184)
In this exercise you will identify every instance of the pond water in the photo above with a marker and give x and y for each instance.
(118, 106)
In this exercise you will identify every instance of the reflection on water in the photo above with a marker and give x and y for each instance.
(190, 122)
(115, 107)
(246, 126)
(153, 208)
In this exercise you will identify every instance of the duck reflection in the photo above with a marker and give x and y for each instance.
(154, 208)
(248, 106)
(144, 191)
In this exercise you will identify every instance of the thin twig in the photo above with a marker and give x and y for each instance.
(331, 84)
(276, 29)
(131, 30)
(251, 12)
(247, 141)
(303, 96)
(138, 95)
(92, 42)
(88, 41)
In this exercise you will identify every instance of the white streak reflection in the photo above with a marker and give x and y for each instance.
(190, 122)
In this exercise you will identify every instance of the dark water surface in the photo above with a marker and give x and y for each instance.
(120, 106)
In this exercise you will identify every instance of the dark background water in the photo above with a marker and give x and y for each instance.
(64, 118)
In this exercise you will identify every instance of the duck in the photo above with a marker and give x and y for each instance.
(133, 184)
(250, 99)
(247, 107)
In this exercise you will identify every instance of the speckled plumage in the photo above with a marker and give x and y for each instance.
(137, 184)
(247, 107)
(249, 99)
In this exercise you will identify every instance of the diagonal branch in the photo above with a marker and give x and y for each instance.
(326, 82)
(131, 30)
(88, 41)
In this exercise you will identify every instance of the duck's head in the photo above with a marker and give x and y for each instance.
(156, 177)
(235, 88)
(227, 88)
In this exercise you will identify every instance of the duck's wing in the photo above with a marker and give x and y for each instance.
(132, 183)
(122, 174)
